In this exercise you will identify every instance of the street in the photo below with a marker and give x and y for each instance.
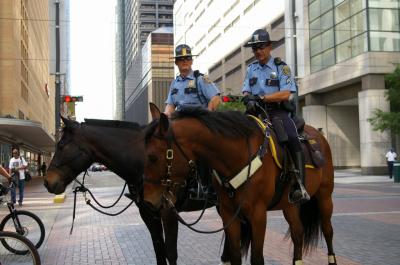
(366, 225)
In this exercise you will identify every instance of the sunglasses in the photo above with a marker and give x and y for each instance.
(181, 59)
(259, 46)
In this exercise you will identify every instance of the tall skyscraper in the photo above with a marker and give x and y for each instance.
(141, 18)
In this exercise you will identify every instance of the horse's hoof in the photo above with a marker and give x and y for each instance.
(225, 263)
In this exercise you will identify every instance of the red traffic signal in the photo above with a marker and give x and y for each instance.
(68, 98)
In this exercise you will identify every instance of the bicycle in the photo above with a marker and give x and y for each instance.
(22, 222)
(27, 253)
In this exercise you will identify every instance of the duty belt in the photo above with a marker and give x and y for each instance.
(271, 105)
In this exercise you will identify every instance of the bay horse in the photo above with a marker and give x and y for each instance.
(228, 141)
(118, 145)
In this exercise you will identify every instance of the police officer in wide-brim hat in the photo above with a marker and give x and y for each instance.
(269, 85)
(183, 51)
(190, 88)
(259, 38)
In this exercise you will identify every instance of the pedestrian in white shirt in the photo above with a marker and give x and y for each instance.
(390, 158)
(17, 171)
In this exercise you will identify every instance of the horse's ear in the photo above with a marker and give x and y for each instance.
(67, 122)
(163, 124)
(155, 112)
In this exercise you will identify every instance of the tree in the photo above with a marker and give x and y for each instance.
(381, 120)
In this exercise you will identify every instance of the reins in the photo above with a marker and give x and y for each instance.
(169, 154)
(82, 188)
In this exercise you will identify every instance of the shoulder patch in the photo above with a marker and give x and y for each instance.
(286, 70)
(207, 79)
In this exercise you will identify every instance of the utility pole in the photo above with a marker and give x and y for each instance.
(57, 74)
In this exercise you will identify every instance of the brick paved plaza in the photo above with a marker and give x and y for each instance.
(366, 224)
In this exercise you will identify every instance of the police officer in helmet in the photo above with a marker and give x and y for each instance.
(190, 88)
(269, 84)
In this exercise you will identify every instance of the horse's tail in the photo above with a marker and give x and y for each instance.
(311, 219)
(245, 237)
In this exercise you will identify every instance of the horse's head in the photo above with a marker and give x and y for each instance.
(70, 158)
(166, 164)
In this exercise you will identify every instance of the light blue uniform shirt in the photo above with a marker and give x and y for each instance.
(183, 92)
(266, 79)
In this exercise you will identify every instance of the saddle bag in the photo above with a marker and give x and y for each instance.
(316, 155)
(281, 134)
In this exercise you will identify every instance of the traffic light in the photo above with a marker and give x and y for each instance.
(68, 98)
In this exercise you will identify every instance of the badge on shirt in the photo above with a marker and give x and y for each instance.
(252, 81)
(191, 83)
(286, 70)
(273, 75)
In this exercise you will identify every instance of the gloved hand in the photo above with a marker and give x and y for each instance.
(249, 98)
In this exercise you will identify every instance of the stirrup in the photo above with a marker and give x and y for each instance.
(302, 195)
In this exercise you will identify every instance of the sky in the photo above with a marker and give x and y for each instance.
(92, 52)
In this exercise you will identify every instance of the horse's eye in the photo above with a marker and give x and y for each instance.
(153, 158)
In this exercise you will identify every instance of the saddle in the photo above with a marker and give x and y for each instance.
(275, 143)
(311, 148)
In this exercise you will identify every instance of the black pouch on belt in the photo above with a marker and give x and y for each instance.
(280, 130)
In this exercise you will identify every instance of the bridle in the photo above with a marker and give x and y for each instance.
(166, 180)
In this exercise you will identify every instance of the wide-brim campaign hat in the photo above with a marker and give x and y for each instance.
(259, 36)
(183, 50)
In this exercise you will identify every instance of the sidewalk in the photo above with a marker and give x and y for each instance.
(124, 239)
(351, 176)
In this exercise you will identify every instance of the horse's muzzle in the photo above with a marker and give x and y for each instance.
(53, 183)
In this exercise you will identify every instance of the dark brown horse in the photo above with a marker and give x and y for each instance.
(228, 141)
(120, 146)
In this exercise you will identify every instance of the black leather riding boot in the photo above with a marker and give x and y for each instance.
(299, 195)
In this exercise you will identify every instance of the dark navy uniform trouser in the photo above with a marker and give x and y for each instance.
(290, 128)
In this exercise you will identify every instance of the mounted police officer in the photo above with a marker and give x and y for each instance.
(269, 85)
(190, 88)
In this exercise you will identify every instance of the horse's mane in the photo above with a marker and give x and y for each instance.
(232, 124)
(113, 123)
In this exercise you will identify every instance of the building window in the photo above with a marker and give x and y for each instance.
(359, 44)
(358, 23)
(232, 54)
(219, 79)
(342, 11)
(214, 40)
(343, 51)
(215, 67)
(342, 31)
(234, 70)
(385, 41)
(384, 19)
(314, 10)
(384, 3)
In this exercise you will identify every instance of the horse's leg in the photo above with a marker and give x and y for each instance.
(225, 252)
(153, 224)
(170, 223)
(233, 236)
(326, 208)
(292, 216)
(258, 225)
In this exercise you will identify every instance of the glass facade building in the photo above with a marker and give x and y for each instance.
(342, 29)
